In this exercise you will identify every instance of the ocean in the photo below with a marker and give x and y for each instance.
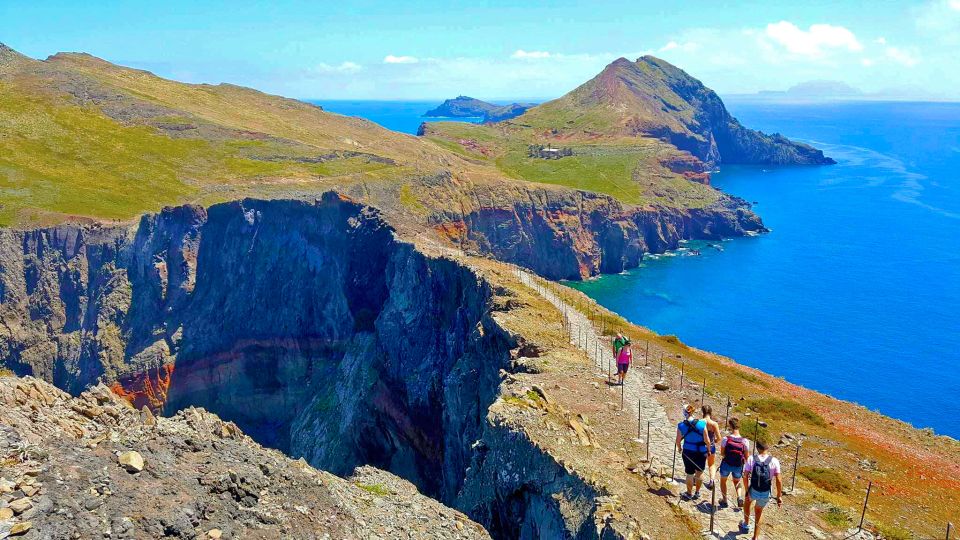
(855, 292)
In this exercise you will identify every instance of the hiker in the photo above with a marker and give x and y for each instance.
(693, 441)
(713, 428)
(623, 360)
(760, 473)
(734, 449)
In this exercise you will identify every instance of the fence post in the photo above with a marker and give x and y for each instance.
(726, 416)
(703, 390)
(713, 504)
(756, 435)
(682, 366)
(949, 528)
(796, 464)
(866, 499)
(673, 473)
(661, 366)
(638, 419)
(621, 399)
(648, 458)
(646, 355)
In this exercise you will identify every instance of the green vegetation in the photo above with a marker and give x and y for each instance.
(783, 409)
(826, 479)
(836, 517)
(375, 489)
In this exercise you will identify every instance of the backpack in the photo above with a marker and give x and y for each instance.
(760, 479)
(735, 451)
(697, 444)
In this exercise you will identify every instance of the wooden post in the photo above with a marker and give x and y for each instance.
(866, 499)
(646, 355)
(621, 397)
(796, 463)
(682, 366)
(949, 528)
(703, 390)
(726, 416)
(661, 366)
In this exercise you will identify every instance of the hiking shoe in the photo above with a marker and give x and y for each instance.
(740, 502)
(722, 503)
(708, 484)
(696, 495)
(686, 497)
(744, 528)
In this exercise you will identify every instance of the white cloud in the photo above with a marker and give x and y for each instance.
(903, 57)
(687, 46)
(391, 59)
(954, 5)
(814, 42)
(940, 19)
(344, 67)
(866, 62)
(521, 54)
(880, 40)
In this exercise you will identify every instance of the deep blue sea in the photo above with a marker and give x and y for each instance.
(855, 292)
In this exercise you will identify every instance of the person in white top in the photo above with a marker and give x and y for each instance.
(760, 474)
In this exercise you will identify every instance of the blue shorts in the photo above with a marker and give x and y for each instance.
(727, 470)
(760, 497)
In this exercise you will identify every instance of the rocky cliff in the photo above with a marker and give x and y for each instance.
(564, 235)
(309, 325)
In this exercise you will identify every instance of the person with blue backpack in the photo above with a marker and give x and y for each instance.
(693, 442)
(760, 474)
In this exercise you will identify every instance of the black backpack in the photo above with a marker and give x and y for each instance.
(760, 479)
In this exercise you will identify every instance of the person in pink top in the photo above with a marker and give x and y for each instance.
(623, 360)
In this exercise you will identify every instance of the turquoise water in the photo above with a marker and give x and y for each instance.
(403, 116)
(855, 292)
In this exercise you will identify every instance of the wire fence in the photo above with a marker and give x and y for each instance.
(591, 330)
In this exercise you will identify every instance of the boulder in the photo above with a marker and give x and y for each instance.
(661, 385)
(20, 505)
(20, 528)
(131, 461)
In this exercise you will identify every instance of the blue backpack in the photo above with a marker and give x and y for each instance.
(693, 436)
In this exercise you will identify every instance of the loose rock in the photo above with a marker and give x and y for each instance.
(131, 461)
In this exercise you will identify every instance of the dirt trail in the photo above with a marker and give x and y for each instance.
(639, 393)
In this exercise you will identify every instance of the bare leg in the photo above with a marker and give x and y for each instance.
(723, 488)
(699, 479)
(689, 484)
(746, 508)
(756, 523)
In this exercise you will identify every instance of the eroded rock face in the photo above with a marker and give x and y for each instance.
(308, 325)
(566, 237)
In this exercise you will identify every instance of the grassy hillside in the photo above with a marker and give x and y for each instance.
(80, 137)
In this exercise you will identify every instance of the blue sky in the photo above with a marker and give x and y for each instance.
(430, 50)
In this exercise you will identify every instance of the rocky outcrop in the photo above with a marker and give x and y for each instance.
(311, 326)
(95, 467)
(574, 236)
(468, 107)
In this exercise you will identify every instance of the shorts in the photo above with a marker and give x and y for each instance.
(760, 497)
(726, 470)
(713, 449)
(694, 461)
(622, 368)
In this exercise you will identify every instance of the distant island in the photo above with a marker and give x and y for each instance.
(468, 107)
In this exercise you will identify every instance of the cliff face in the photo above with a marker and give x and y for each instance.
(309, 325)
(562, 236)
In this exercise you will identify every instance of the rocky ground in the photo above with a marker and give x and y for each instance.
(94, 467)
